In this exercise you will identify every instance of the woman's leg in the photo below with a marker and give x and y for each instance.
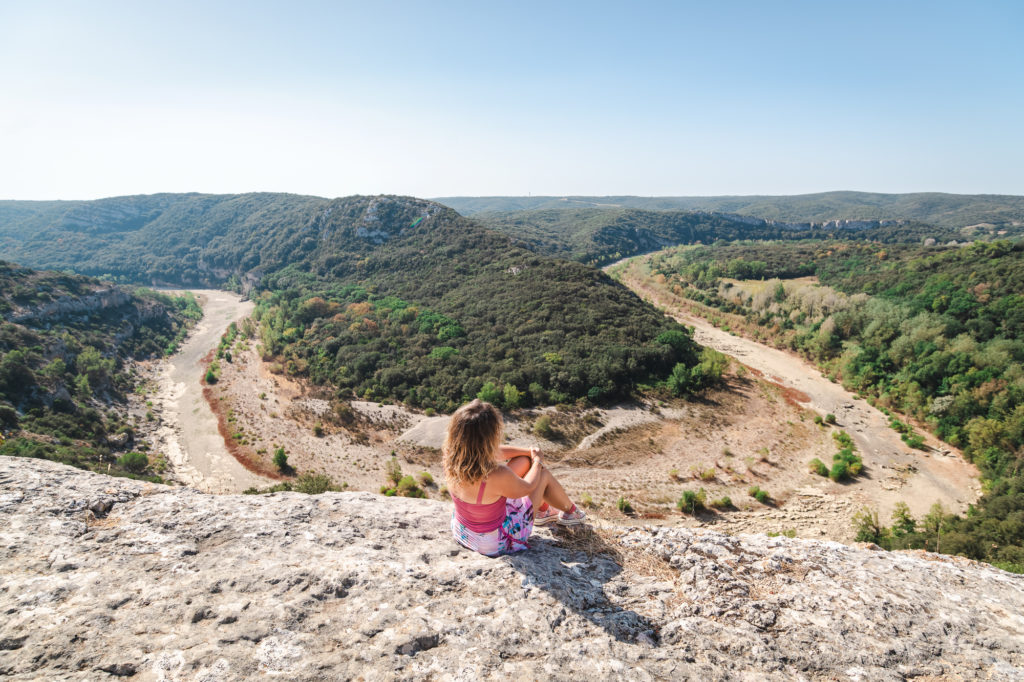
(549, 490)
(520, 464)
(552, 492)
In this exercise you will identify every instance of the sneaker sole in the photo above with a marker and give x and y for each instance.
(570, 522)
(545, 522)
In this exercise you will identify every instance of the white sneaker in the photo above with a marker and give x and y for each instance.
(574, 518)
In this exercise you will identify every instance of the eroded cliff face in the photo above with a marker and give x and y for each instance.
(106, 576)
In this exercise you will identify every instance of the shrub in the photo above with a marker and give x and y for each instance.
(426, 478)
(490, 393)
(542, 427)
(623, 505)
(407, 487)
(511, 397)
(430, 412)
(830, 418)
(673, 474)
(280, 459)
(708, 474)
(843, 439)
(840, 470)
(761, 496)
(135, 462)
(393, 470)
(586, 500)
(818, 467)
(691, 502)
(318, 430)
(914, 440)
(818, 420)
(722, 502)
(314, 484)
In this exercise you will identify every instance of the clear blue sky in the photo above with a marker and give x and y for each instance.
(472, 98)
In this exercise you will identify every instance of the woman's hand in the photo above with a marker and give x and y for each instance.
(535, 456)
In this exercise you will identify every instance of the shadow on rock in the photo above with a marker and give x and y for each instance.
(575, 571)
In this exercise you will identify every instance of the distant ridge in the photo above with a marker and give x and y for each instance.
(935, 208)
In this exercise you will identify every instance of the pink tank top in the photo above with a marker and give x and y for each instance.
(480, 518)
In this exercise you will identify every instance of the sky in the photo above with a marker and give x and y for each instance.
(510, 98)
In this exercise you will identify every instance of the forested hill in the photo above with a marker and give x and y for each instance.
(65, 342)
(376, 296)
(952, 211)
(600, 235)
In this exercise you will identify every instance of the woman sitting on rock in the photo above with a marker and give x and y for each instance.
(496, 487)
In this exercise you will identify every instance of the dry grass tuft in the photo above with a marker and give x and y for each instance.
(595, 540)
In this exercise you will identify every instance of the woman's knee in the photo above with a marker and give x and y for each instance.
(520, 465)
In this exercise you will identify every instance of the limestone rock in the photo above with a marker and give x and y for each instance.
(172, 584)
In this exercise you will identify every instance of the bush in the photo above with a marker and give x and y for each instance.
(393, 470)
(691, 502)
(426, 478)
(673, 474)
(623, 505)
(840, 470)
(761, 496)
(818, 420)
(843, 439)
(314, 484)
(830, 418)
(490, 394)
(280, 459)
(915, 441)
(407, 487)
(318, 430)
(542, 427)
(136, 462)
(722, 502)
(708, 474)
(818, 467)
(586, 500)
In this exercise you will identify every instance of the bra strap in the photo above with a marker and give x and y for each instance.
(480, 495)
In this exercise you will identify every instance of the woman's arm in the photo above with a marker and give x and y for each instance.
(507, 452)
(505, 482)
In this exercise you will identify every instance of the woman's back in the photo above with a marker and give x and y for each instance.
(480, 516)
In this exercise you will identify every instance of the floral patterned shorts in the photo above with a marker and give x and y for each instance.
(511, 537)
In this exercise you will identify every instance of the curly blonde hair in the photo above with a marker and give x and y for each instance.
(474, 435)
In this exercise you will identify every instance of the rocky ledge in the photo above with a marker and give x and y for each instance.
(109, 577)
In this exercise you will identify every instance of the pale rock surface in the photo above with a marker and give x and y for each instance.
(103, 577)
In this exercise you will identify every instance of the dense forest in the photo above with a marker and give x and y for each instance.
(949, 211)
(447, 307)
(389, 297)
(933, 332)
(597, 236)
(65, 346)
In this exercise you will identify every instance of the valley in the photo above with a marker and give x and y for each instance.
(756, 429)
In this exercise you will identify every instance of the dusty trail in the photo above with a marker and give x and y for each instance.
(920, 478)
(189, 435)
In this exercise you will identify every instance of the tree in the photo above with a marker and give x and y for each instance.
(869, 528)
(902, 522)
(932, 525)
(280, 459)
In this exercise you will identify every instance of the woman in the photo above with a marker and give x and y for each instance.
(494, 501)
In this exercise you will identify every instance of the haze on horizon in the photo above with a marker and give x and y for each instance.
(473, 99)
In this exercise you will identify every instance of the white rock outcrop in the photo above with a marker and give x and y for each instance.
(105, 577)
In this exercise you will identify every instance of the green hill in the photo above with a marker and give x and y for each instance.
(376, 296)
(65, 346)
(951, 211)
(601, 235)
